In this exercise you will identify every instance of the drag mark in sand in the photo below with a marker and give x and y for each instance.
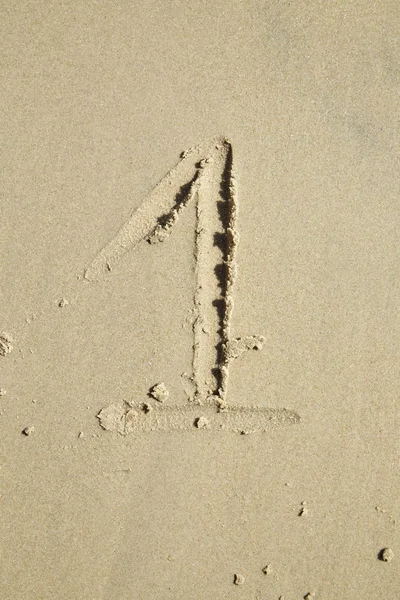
(205, 177)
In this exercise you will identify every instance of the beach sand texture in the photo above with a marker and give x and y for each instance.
(199, 292)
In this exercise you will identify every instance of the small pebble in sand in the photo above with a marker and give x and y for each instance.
(202, 423)
(3, 392)
(309, 596)
(159, 392)
(146, 408)
(238, 579)
(267, 570)
(63, 302)
(80, 434)
(386, 554)
(5, 343)
(28, 430)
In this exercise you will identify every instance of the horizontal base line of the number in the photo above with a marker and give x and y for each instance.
(237, 419)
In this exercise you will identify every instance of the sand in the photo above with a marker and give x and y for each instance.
(199, 333)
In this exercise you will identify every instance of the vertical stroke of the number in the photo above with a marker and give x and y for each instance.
(216, 212)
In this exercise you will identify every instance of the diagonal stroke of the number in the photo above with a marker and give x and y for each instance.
(205, 176)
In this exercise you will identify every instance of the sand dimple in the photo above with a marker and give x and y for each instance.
(267, 570)
(238, 579)
(28, 430)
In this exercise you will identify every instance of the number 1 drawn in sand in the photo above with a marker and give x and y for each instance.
(203, 176)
